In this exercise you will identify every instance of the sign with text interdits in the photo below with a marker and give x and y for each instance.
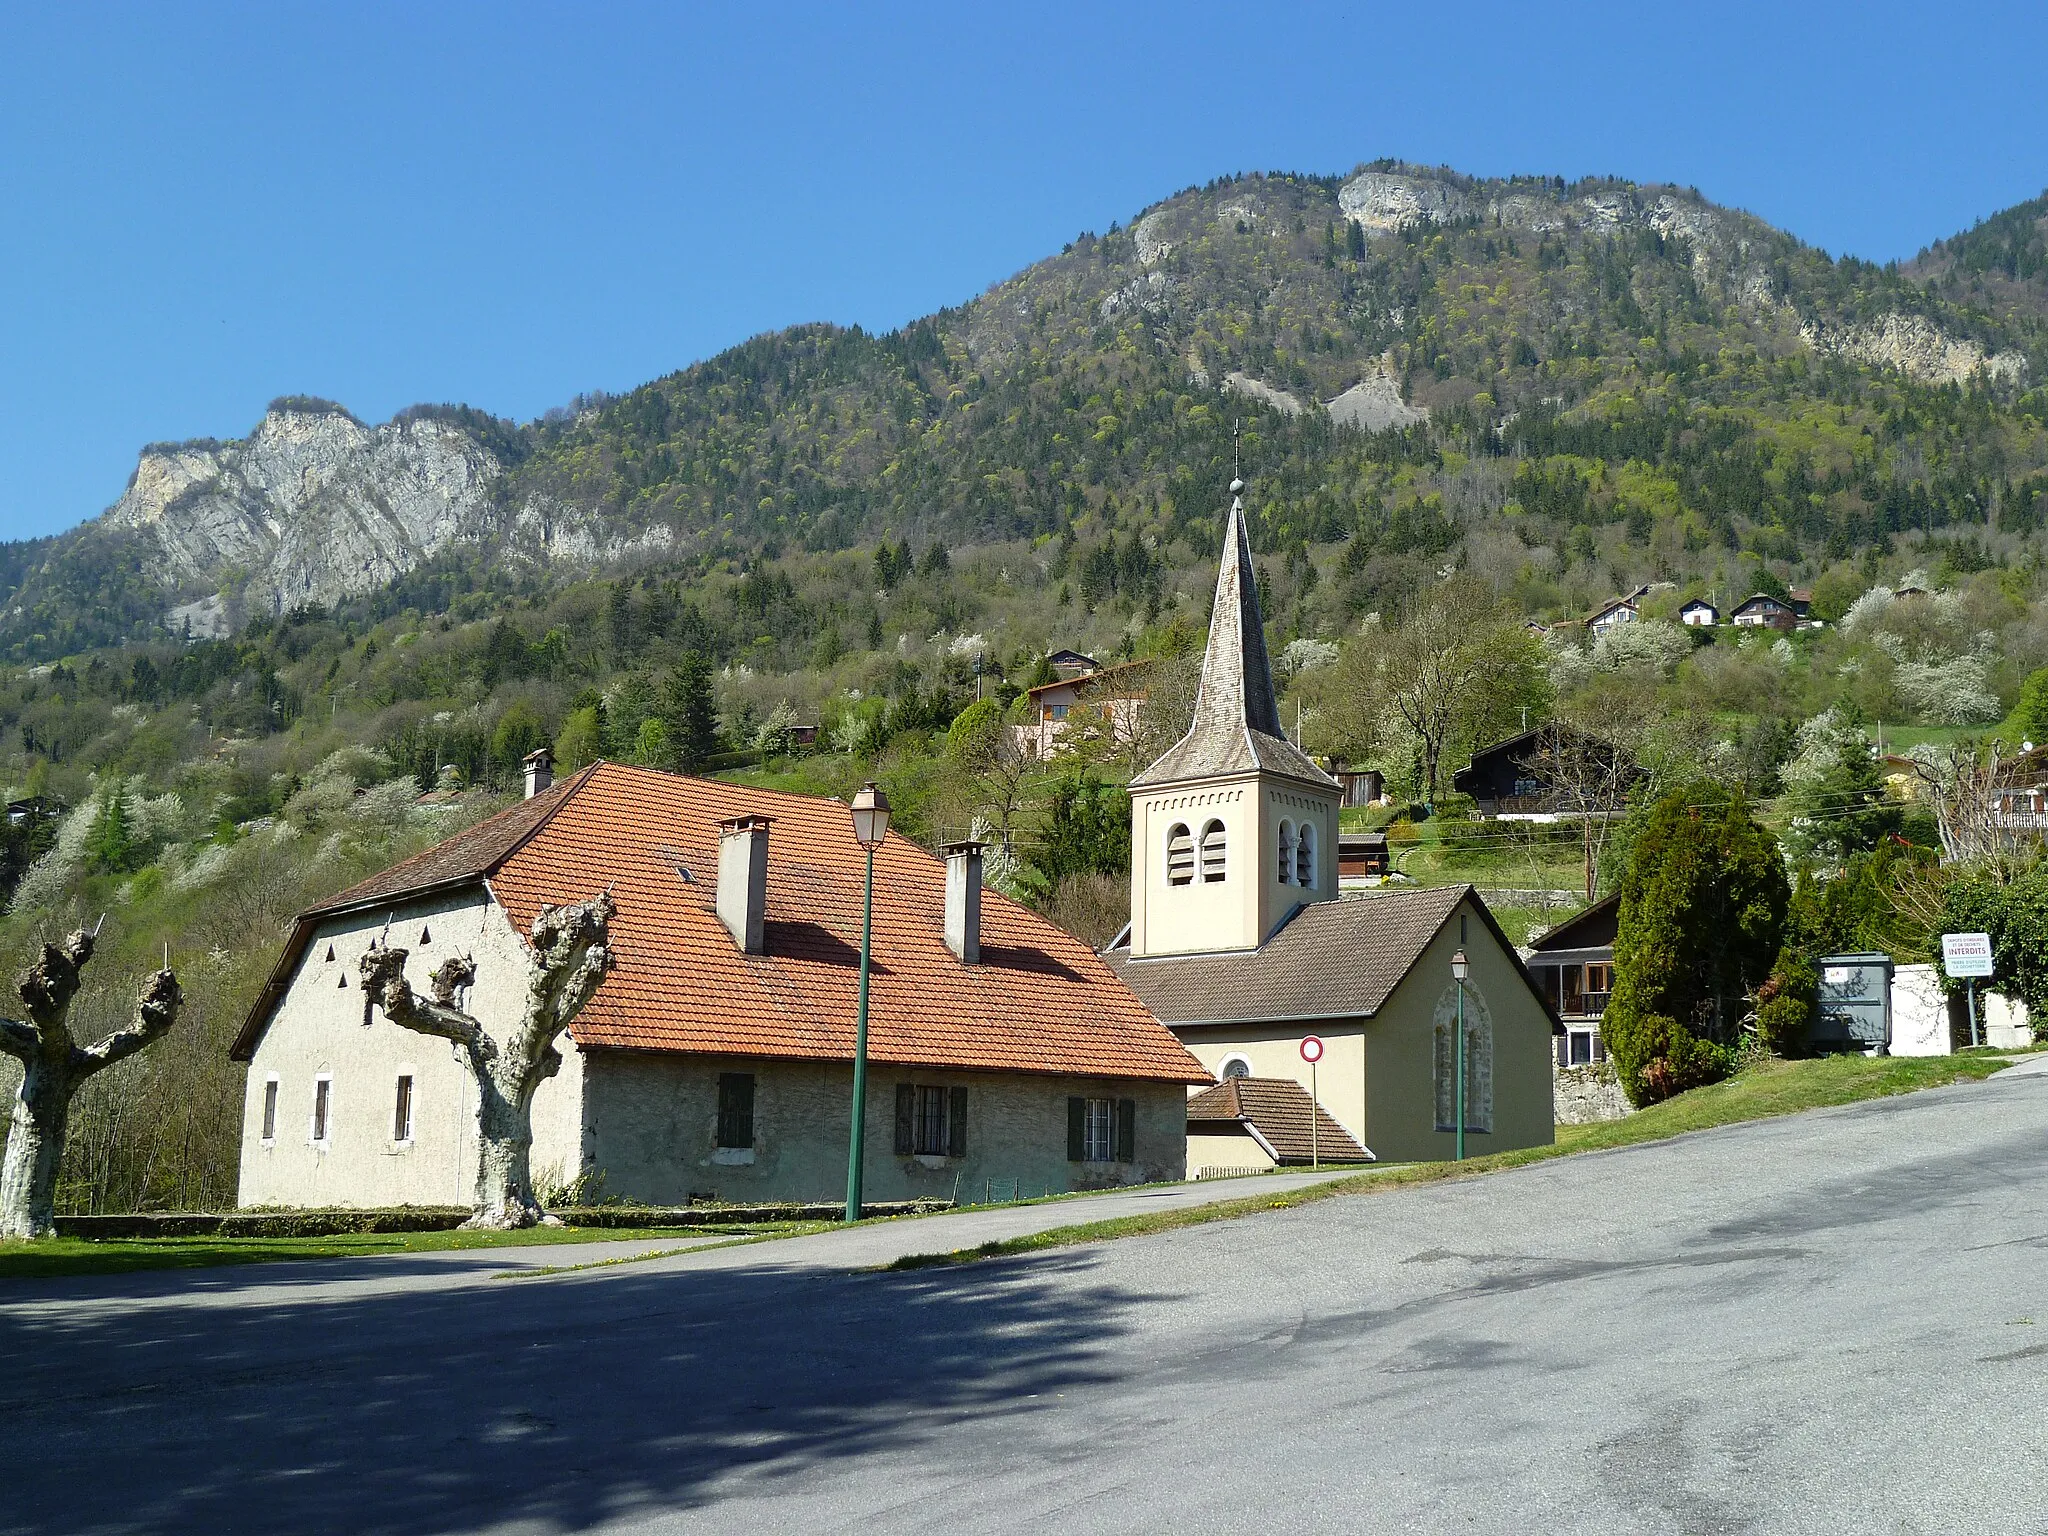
(1966, 954)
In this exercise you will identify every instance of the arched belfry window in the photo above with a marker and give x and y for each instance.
(1286, 869)
(1235, 1066)
(1214, 854)
(1180, 855)
(1305, 855)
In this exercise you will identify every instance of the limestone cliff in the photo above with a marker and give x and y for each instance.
(312, 506)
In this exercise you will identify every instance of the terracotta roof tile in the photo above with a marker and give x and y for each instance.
(1279, 1108)
(1039, 1001)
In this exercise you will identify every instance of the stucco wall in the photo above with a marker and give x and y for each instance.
(1215, 1152)
(1401, 1044)
(652, 1123)
(318, 1029)
(1274, 1050)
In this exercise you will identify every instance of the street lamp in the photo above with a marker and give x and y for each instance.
(1460, 969)
(870, 825)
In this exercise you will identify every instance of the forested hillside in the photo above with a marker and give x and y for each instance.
(1464, 405)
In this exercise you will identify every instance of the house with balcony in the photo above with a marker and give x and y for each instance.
(1108, 700)
(1512, 780)
(1573, 964)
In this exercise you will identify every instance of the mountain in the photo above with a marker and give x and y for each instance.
(1421, 360)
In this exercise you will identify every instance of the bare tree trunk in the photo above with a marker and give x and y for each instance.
(568, 959)
(53, 1067)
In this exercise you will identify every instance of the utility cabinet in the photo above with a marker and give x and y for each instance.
(1855, 1003)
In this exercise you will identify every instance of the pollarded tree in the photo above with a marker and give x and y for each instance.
(1702, 915)
(52, 1068)
(569, 956)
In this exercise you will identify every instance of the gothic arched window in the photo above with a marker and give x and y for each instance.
(1180, 855)
(1214, 854)
(1478, 1060)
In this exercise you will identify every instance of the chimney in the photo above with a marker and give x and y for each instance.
(540, 770)
(743, 879)
(963, 901)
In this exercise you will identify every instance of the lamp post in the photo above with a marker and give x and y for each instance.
(1460, 969)
(870, 824)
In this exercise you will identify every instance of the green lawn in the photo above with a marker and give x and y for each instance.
(113, 1256)
(1775, 1088)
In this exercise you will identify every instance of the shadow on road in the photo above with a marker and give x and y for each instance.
(565, 1401)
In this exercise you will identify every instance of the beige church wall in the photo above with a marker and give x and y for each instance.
(318, 1030)
(1274, 1050)
(652, 1123)
(1278, 898)
(1400, 1049)
(1176, 919)
(1211, 1153)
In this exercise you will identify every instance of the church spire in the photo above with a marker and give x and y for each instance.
(1236, 727)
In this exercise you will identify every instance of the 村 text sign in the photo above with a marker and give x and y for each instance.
(1966, 954)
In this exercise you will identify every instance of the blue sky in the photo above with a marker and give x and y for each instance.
(202, 207)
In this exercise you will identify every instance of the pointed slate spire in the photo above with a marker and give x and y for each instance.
(1236, 726)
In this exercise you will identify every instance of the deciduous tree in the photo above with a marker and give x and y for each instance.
(570, 955)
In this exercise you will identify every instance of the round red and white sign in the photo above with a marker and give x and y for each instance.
(1311, 1049)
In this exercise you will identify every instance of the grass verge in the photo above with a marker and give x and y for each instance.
(1764, 1092)
(116, 1256)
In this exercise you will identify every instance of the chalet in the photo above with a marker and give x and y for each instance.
(1239, 944)
(1801, 599)
(1066, 663)
(1511, 780)
(1256, 1124)
(716, 1059)
(1698, 612)
(1362, 858)
(1622, 610)
(1764, 611)
(1573, 964)
(1109, 699)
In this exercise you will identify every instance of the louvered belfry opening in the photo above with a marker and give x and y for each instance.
(1180, 855)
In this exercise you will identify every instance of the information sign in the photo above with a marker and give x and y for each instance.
(1966, 954)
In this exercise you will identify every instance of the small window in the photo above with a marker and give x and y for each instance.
(931, 1121)
(1214, 859)
(1582, 1049)
(270, 1109)
(1059, 711)
(1236, 1066)
(322, 1103)
(735, 1109)
(1305, 856)
(1286, 869)
(1101, 1130)
(401, 1110)
(1180, 855)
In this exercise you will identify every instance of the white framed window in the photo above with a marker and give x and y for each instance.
(1235, 1066)
(1098, 1133)
(1286, 867)
(270, 1087)
(401, 1111)
(1305, 856)
(1180, 854)
(1215, 854)
(323, 1109)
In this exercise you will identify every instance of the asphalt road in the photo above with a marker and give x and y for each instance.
(1837, 1322)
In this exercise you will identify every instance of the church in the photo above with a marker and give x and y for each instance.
(1238, 941)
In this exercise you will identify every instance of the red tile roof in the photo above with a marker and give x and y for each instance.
(1279, 1108)
(1039, 1001)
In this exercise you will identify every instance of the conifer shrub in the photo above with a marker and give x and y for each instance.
(1702, 913)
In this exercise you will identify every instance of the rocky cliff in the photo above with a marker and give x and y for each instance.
(312, 506)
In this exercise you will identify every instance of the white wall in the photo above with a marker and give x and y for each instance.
(318, 1031)
(1919, 1012)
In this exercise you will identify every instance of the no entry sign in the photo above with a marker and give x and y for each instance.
(1311, 1049)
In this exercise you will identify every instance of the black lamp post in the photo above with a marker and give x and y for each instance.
(870, 826)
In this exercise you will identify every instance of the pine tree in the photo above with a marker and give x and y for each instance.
(691, 713)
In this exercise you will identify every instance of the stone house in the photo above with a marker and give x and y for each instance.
(716, 1059)
(1239, 944)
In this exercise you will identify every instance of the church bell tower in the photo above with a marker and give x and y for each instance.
(1234, 827)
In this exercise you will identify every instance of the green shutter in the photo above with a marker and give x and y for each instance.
(906, 1119)
(956, 1123)
(1564, 1050)
(1077, 1130)
(1126, 1130)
